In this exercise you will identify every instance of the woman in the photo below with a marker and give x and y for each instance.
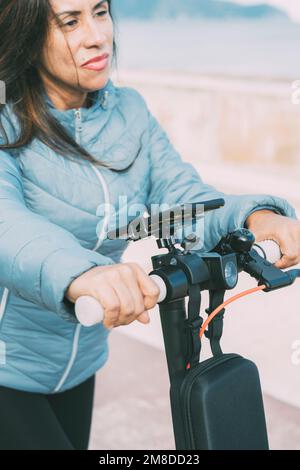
(70, 142)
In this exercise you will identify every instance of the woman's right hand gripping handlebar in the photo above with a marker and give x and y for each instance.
(124, 290)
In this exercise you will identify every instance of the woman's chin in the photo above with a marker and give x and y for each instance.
(89, 86)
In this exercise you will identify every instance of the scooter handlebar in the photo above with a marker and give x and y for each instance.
(90, 312)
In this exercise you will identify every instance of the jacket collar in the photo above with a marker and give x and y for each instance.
(102, 99)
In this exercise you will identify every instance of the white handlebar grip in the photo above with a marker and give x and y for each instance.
(89, 311)
(161, 285)
(270, 248)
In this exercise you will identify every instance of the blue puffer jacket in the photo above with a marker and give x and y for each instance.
(49, 230)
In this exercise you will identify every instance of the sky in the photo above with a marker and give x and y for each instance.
(292, 7)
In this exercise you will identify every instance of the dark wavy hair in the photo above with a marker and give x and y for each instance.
(24, 27)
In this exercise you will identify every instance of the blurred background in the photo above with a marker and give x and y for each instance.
(223, 79)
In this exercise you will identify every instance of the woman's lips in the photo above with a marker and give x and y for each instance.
(97, 66)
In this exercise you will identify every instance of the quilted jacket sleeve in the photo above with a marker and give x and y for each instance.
(38, 259)
(174, 181)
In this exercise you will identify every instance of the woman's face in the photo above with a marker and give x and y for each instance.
(89, 33)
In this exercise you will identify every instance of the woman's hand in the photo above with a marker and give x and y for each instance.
(265, 224)
(124, 290)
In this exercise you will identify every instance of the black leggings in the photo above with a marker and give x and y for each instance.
(37, 421)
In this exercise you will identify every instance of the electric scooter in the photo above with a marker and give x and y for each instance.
(216, 404)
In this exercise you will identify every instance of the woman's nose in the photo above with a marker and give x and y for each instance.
(93, 34)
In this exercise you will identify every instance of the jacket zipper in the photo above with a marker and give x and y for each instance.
(78, 128)
(78, 125)
(78, 131)
(3, 303)
(3, 306)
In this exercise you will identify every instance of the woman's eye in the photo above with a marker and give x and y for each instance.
(102, 13)
(73, 22)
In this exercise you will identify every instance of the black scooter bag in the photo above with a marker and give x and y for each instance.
(218, 405)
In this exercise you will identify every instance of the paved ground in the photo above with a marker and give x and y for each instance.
(132, 409)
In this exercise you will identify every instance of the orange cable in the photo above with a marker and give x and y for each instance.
(223, 305)
(227, 302)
